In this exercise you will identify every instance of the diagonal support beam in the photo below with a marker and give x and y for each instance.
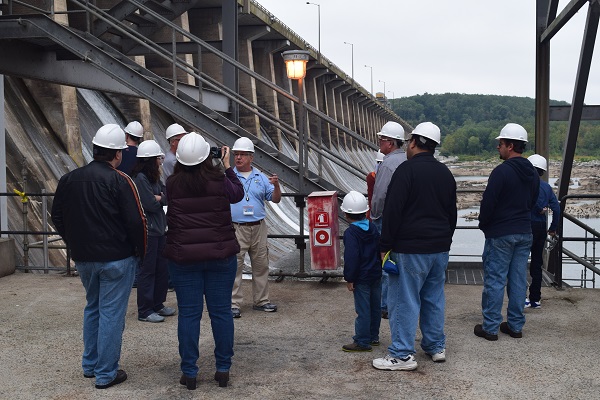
(583, 73)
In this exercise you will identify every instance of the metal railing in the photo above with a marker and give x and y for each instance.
(589, 258)
(50, 236)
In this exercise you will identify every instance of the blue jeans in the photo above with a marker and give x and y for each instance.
(212, 280)
(368, 313)
(505, 265)
(107, 289)
(384, 275)
(417, 294)
(153, 279)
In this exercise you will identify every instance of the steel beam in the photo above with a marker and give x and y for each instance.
(583, 72)
(206, 120)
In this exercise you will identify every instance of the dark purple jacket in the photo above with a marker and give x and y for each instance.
(200, 227)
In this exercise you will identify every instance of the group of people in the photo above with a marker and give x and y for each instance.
(413, 217)
(110, 214)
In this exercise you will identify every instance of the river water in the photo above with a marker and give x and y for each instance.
(468, 241)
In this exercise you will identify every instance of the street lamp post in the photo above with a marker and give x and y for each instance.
(352, 44)
(392, 92)
(384, 92)
(295, 63)
(368, 66)
(319, 16)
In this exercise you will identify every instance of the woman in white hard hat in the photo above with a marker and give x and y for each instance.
(152, 282)
(201, 249)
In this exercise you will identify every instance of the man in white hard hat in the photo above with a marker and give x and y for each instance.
(505, 219)
(98, 213)
(419, 220)
(391, 139)
(174, 134)
(540, 230)
(250, 227)
(371, 181)
(134, 132)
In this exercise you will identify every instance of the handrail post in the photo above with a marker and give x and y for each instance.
(300, 243)
(45, 228)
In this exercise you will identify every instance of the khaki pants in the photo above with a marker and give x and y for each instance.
(252, 240)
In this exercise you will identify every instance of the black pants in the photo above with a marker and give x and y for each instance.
(538, 229)
(153, 279)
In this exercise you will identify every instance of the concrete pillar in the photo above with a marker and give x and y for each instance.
(7, 256)
(163, 67)
(249, 120)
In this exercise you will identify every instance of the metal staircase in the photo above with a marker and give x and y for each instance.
(97, 57)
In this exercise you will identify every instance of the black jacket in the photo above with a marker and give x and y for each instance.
(155, 214)
(511, 193)
(98, 213)
(419, 216)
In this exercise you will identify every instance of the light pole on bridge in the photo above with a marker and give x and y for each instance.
(319, 16)
(352, 44)
(368, 66)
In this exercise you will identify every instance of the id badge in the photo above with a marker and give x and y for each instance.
(248, 210)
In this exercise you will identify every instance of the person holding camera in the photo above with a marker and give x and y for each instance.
(201, 248)
(250, 227)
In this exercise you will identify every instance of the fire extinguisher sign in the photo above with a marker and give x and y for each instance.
(322, 237)
(321, 219)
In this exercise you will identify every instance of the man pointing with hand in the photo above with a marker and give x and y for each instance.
(250, 227)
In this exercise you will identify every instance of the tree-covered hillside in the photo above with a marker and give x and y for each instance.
(470, 123)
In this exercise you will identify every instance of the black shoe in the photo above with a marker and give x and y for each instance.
(236, 313)
(222, 378)
(190, 383)
(88, 375)
(267, 307)
(505, 329)
(384, 314)
(120, 378)
(355, 347)
(478, 331)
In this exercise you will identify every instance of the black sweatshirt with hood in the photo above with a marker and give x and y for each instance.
(511, 192)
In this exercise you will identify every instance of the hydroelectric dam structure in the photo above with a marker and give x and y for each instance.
(216, 67)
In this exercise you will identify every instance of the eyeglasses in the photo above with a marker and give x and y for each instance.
(382, 139)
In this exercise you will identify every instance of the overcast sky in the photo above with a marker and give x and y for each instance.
(440, 46)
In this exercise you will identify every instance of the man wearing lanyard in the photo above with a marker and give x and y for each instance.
(250, 228)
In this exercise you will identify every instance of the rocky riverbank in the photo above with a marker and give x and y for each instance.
(472, 179)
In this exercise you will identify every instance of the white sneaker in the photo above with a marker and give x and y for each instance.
(439, 357)
(527, 302)
(390, 363)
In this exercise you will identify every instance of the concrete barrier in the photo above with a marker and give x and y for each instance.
(7, 256)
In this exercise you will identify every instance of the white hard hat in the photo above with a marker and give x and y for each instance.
(134, 128)
(392, 130)
(110, 136)
(354, 203)
(428, 130)
(538, 161)
(174, 130)
(149, 148)
(379, 156)
(243, 144)
(192, 149)
(513, 132)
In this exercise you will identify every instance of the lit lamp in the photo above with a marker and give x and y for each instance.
(295, 65)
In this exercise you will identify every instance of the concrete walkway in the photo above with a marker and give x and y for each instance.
(296, 352)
